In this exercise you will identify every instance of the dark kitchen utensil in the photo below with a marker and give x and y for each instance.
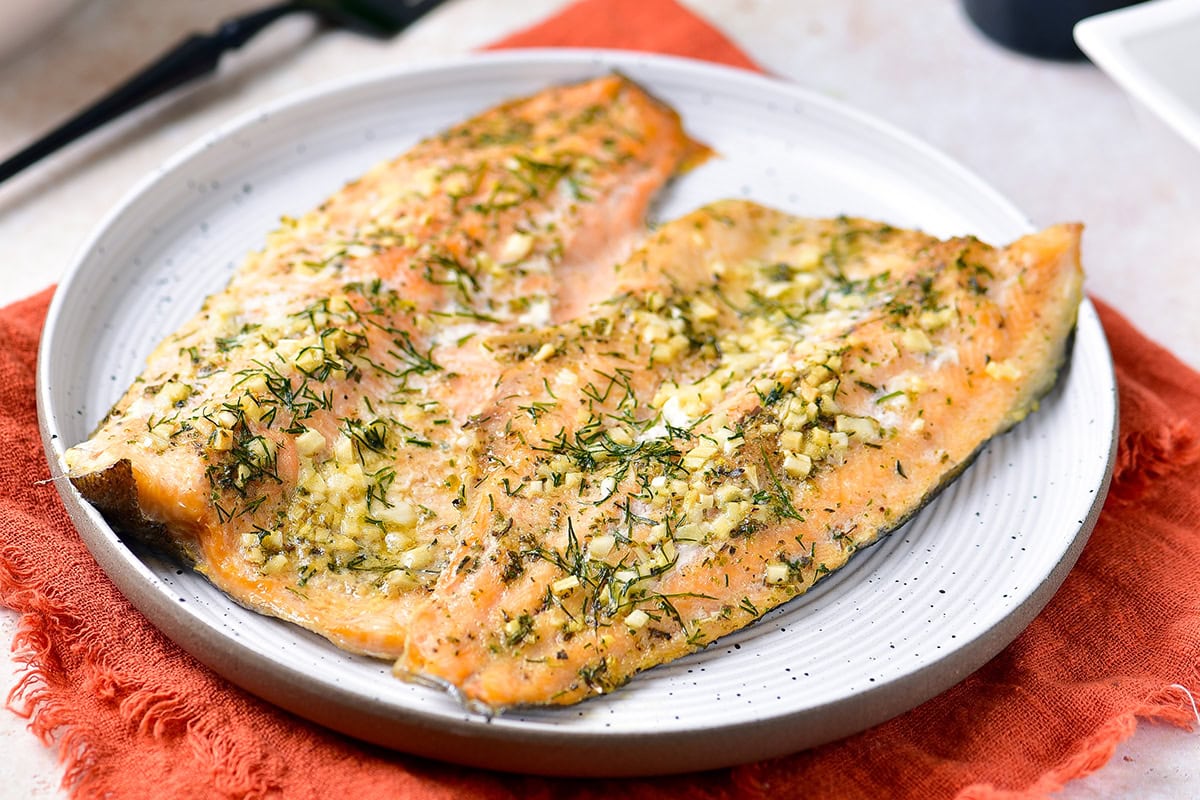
(199, 55)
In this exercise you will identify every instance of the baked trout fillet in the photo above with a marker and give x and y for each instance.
(761, 397)
(303, 440)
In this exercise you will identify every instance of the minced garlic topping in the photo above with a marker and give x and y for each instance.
(663, 428)
(745, 410)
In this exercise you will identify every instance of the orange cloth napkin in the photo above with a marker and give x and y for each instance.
(136, 717)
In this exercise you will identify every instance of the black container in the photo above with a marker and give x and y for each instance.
(1039, 28)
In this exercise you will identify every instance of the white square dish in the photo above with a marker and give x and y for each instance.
(1152, 50)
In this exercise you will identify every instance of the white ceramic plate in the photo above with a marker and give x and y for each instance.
(1152, 50)
(903, 621)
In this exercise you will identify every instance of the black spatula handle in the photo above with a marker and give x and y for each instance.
(195, 56)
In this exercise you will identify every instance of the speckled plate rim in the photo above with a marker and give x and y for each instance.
(531, 747)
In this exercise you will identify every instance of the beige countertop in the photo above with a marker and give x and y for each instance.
(1060, 140)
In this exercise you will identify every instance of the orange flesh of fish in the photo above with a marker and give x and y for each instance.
(302, 439)
(763, 397)
(429, 423)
